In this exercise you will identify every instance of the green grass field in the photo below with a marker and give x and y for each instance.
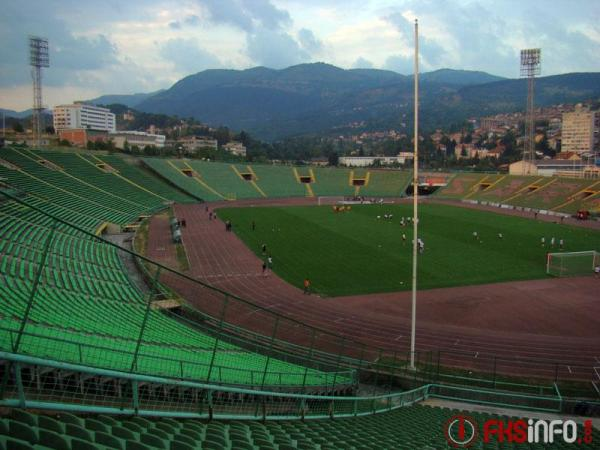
(355, 253)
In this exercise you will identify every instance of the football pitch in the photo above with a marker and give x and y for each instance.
(354, 252)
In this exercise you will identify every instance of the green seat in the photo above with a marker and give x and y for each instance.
(135, 445)
(80, 444)
(109, 440)
(124, 433)
(79, 432)
(54, 440)
(10, 443)
(3, 426)
(48, 423)
(23, 431)
(186, 440)
(154, 441)
(95, 425)
(179, 445)
(24, 417)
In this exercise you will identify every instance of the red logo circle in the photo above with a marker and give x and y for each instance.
(461, 431)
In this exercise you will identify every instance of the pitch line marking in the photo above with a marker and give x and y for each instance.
(398, 338)
(597, 359)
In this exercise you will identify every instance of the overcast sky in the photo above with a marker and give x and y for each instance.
(122, 47)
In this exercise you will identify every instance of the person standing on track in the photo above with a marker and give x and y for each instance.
(264, 268)
(306, 286)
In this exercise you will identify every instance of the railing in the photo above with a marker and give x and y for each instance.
(34, 383)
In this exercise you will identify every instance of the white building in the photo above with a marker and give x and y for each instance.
(367, 161)
(138, 138)
(82, 116)
(579, 130)
(237, 148)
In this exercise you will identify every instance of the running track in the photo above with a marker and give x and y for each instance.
(534, 327)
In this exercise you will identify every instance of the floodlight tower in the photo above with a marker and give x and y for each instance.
(530, 67)
(38, 58)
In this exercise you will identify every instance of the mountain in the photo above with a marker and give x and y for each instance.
(129, 100)
(323, 99)
(21, 114)
(459, 77)
(15, 114)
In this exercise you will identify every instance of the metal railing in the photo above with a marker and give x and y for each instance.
(34, 383)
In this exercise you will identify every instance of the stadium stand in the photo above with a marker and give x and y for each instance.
(416, 426)
(145, 180)
(277, 181)
(566, 195)
(87, 311)
(504, 188)
(66, 295)
(385, 183)
(189, 181)
(225, 178)
(553, 193)
(330, 181)
(461, 185)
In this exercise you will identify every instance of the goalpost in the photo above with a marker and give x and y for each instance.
(568, 264)
(330, 199)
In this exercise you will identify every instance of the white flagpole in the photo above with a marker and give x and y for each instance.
(415, 201)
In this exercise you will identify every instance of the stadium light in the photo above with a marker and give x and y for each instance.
(415, 201)
(530, 68)
(38, 58)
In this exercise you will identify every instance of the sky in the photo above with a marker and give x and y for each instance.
(123, 47)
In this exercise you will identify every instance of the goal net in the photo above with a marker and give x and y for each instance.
(568, 264)
(330, 200)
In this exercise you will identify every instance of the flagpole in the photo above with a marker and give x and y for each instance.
(415, 200)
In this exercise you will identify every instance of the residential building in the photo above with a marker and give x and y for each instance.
(236, 148)
(139, 138)
(579, 130)
(192, 143)
(82, 116)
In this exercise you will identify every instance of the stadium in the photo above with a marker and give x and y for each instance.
(163, 303)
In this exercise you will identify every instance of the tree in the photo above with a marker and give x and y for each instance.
(333, 159)
(18, 128)
(50, 129)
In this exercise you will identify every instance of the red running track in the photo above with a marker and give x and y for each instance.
(555, 322)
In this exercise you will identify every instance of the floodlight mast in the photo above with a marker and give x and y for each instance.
(38, 58)
(415, 200)
(530, 68)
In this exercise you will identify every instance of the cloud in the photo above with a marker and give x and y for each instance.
(309, 41)
(175, 25)
(399, 63)
(275, 49)
(246, 14)
(429, 50)
(362, 63)
(187, 56)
